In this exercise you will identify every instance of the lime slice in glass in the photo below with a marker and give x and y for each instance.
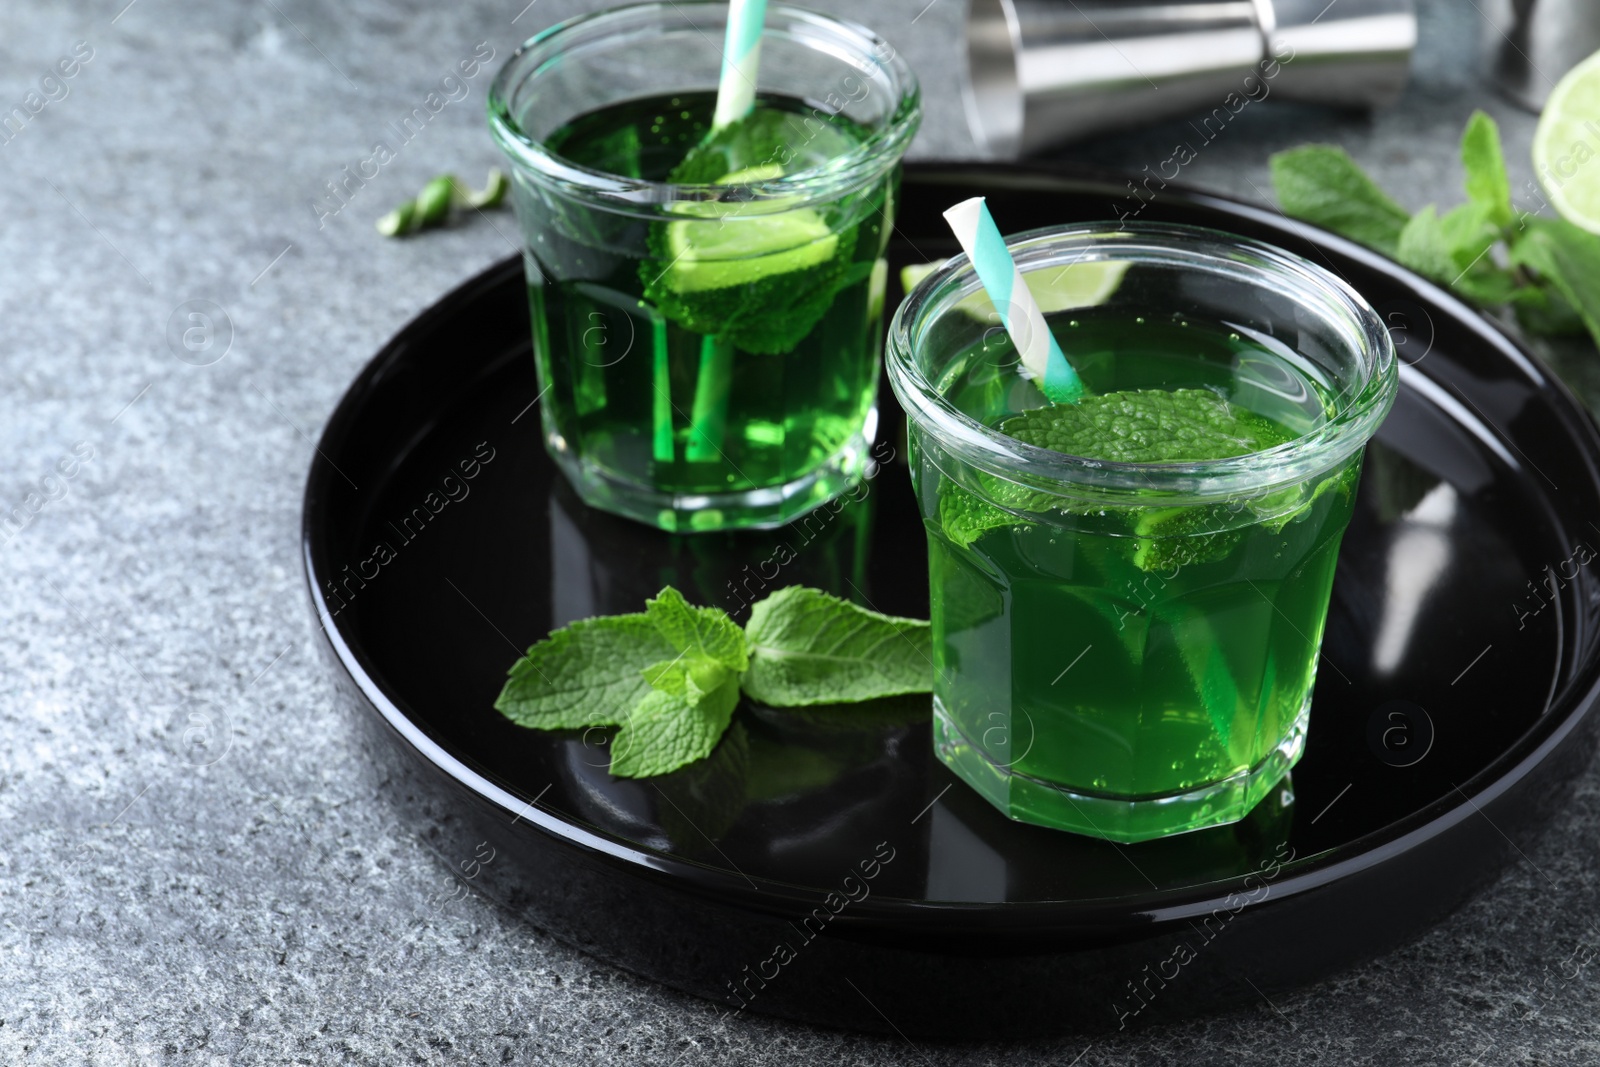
(1566, 146)
(912, 273)
(754, 241)
(1076, 285)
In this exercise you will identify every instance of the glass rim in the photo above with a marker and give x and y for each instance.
(1347, 430)
(830, 181)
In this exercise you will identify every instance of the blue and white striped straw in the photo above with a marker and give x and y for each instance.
(741, 55)
(1019, 312)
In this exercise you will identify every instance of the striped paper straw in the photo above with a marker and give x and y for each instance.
(1019, 312)
(741, 55)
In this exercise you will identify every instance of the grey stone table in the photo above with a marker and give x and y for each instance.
(256, 905)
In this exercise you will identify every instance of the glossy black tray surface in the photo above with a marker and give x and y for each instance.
(829, 868)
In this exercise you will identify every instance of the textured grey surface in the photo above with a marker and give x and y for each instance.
(263, 908)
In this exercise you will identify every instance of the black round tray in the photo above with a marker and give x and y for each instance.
(830, 869)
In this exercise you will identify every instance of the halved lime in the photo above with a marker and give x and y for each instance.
(1566, 146)
(730, 244)
(1076, 285)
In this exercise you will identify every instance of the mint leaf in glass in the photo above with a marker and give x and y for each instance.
(1147, 426)
(1130, 426)
(808, 647)
(965, 516)
(1166, 538)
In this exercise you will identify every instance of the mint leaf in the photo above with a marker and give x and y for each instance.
(1542, 309)
(1181, 537)
(1130, 426)
(808, 647)
(1453, 251)
(584, 674)
(1548, 274)
(758, 139)
(1147, 426)
(665, 732)
(688, 678)
(1323, 185)
(1423, 248)
(1486, 182)
(1567, 260)
(706, 633)
(965, 516)
(769, 314)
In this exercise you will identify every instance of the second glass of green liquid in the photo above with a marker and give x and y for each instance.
(707, 303)
(1128, 593)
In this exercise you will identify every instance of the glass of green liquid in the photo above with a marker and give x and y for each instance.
(707, 299)
(1129, 591)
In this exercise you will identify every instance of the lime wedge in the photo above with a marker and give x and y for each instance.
(877, 283)
(1566, 146)
(1076, 285)
(755, 240)
(761, 172)
(911, 274)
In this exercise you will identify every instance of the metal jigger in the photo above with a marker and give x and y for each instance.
(1041, 72)
(1532, 43)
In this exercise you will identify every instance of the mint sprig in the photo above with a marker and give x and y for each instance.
(671, 676)
(1541, 268)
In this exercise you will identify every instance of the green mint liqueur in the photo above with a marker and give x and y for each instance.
(716, 358)
(1089, 655)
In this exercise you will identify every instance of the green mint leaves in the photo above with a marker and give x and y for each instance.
(588, 674)
(1130, 426)
(1322, 184)
(1544, 269)
(672, 676)
(664, 732)
(807, 648)
(1486, 182)
(705, 637)
(1147, 426)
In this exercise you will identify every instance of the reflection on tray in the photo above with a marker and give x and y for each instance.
(603, 565)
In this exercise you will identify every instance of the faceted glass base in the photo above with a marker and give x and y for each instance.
(752, 509)
(1123, 819)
